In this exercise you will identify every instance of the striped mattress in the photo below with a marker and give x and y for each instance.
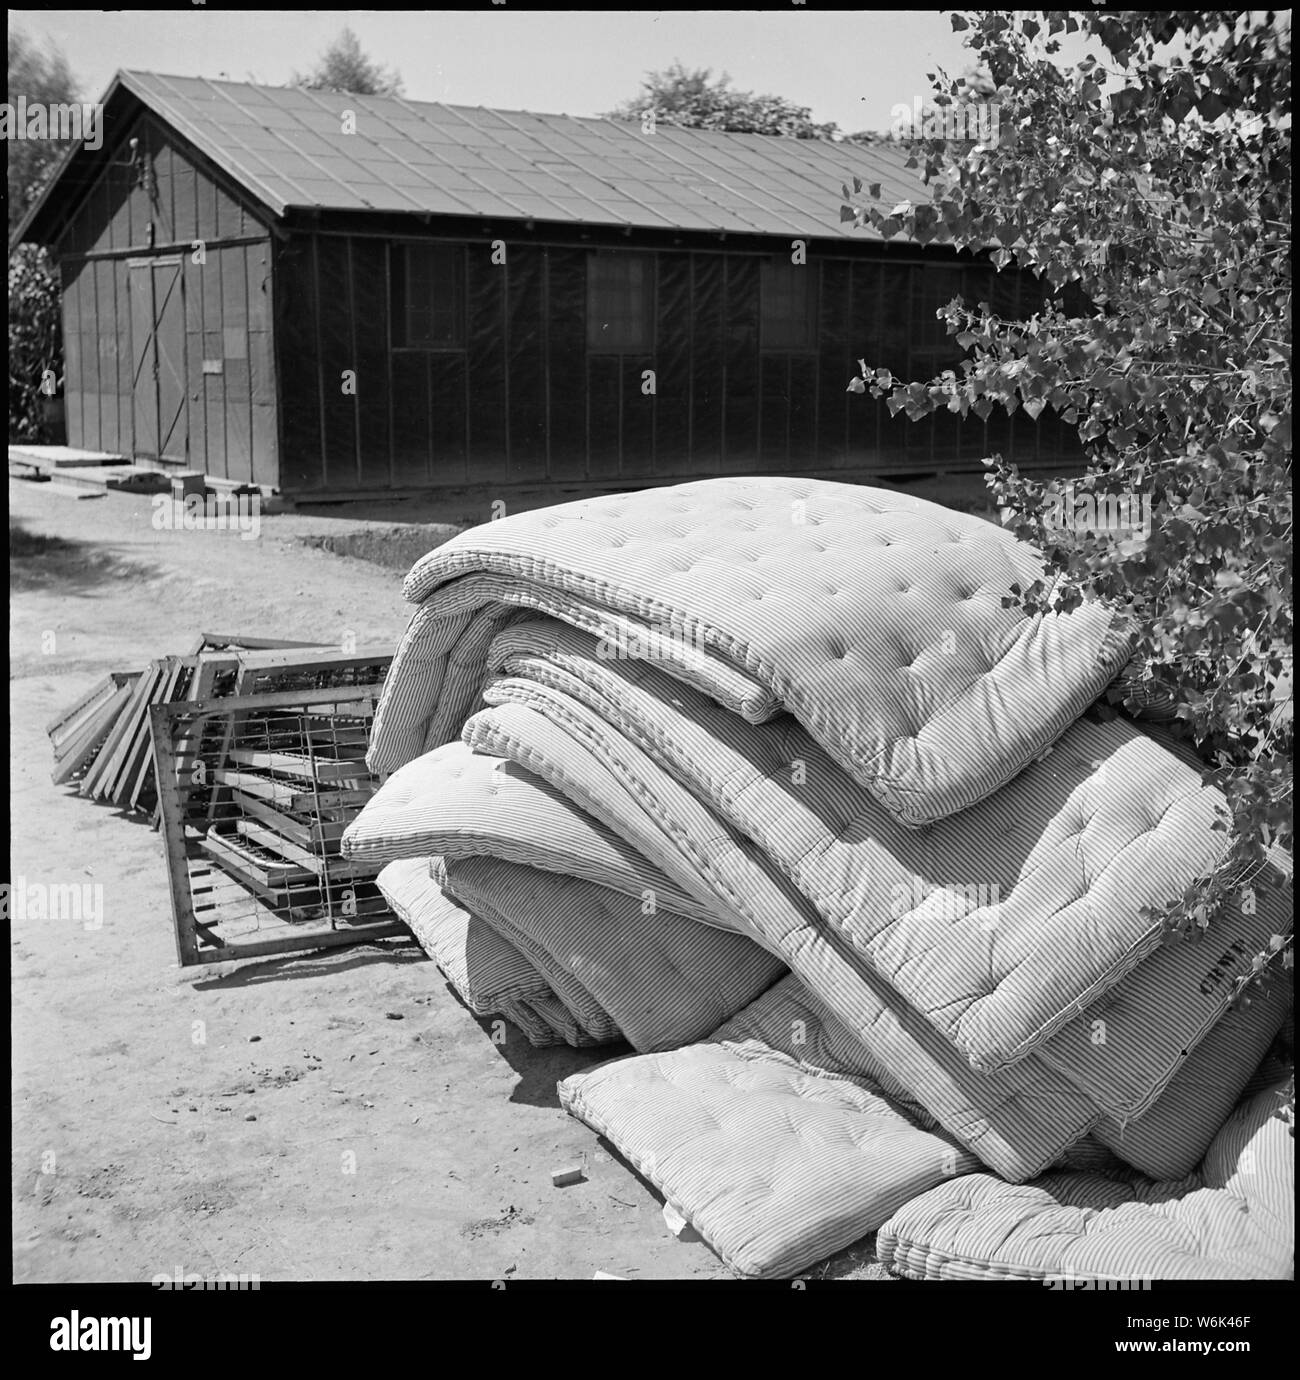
(874, 618)
(771, 785)
(1002, 925)
(1232, 1219)
(777, 1138)
(659, 979)
(487, 972)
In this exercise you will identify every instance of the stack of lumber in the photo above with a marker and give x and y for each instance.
(102, 743)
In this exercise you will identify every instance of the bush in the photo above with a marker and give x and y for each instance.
(35, 346)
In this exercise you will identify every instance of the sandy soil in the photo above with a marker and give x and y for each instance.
(344, 1116)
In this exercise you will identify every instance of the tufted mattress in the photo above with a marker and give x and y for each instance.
(1003, 925)
(454, 803)
(664, 980)
(1018, 1120)
(742, 725)
(778, 1138)
(874, 618)
(1232, 1219)
(490, 975)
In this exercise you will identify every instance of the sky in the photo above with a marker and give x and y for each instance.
(850, 67)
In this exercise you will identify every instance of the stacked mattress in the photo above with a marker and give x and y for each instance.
(764, 778)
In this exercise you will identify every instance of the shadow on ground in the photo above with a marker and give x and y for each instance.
(55, 565)
(316, 963)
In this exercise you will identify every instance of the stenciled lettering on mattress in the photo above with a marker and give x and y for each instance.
(1224, 967)
(1097, 1281)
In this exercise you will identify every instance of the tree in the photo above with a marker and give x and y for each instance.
(344, 67)
(42, 76)
(695, 100)
(35, 332)
(1154, 174)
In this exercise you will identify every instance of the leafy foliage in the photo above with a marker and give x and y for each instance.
(42, 75)
(35, 344)
(695, 100)
(344, 67)
(35, 330)
(1153, 175)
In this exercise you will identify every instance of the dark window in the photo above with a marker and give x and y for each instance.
(789, 298)
(620, 303)
(428, 289)
(932, 348)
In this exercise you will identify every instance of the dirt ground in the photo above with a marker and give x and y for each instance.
(331, 1117)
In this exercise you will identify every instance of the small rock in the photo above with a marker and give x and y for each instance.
(250, 1117)
(561, 1178)
(253, 1039)
(394, 1016)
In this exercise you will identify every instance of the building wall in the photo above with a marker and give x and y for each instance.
(526, 402)
(163, 265)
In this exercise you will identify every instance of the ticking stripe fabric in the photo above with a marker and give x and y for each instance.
(664, 980)
(776, 1150)
(1233, 1219)
(1018, 1120)
(1002, 924)
(743, 726)
(489, 974)
(1168, 1140)
(453, 803)
(876, 619)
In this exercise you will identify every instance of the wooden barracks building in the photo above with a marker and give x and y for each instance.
(334, 296)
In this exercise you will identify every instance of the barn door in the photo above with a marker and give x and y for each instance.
(158, 408)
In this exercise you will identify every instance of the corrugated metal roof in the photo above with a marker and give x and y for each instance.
(289, 149)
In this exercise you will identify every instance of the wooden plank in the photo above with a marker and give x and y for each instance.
(137, 747)
(218, 641)
(275, 842)
(320, 802)
(73, 727)
(144, 791)
(290, 796)
(83, 750)
(71, 719)
(139, 757)
(264, 787)
(320, 866)
(322, 769)
(225, 849)
(230, 866)
(105, 766)
(283, 824)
